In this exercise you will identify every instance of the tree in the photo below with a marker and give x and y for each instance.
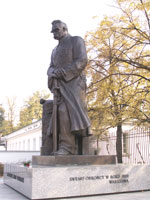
(32, 110)
(2, 111)
(116, 93)
(7, 119)
(11, 115)
(134, 26)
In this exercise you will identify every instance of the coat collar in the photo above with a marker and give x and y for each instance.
(64, 38)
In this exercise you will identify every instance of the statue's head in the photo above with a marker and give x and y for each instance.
(59, 29)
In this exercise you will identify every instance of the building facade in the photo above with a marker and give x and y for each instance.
(28, 138)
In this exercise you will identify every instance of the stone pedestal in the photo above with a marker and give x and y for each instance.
(73, 160)
(59, 181)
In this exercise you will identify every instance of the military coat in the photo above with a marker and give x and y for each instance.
(70, 55)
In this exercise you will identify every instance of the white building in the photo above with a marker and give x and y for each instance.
(28, 138)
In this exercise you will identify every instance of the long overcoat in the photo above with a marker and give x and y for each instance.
(70, 54)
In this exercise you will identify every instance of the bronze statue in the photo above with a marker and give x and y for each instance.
(67, 81)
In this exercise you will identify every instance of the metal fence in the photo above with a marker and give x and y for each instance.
(135, 145)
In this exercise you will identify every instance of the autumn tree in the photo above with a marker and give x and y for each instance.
(11, 114)
(32, 110)
(134, 26)
(110, 94)
(119, 87)
(1, 118)
(8, 117)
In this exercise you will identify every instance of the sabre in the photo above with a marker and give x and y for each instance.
(54, 116)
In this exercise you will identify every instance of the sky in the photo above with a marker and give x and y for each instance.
(26, 42)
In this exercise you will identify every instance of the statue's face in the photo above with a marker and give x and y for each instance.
(58, 31)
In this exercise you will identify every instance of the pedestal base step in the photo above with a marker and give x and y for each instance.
(74, 181)
(73, 160)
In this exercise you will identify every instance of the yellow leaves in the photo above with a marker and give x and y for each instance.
(119, 67)
(106, 23)
(145, 5)
(94, 17)
(119, 2)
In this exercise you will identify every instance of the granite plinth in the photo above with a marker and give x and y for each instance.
(74, 181)
(73, 160)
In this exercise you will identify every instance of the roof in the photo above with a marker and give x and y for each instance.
(25, 129)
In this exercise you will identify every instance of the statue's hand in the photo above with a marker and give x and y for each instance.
(60, 73)
(51, 82)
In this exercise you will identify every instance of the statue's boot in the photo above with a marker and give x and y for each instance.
(61, 152)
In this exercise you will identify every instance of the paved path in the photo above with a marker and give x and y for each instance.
(6, 193)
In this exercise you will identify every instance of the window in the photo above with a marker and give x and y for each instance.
(24, 145)
(16, 146)
(12, 148)
(19, 145)
(28, 145)
(125, 143)
(34, 144)
(40, 142)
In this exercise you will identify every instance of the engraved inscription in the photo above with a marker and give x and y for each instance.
(19, 178)
(113, 179)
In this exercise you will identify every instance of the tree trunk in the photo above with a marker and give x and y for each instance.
(119, 143)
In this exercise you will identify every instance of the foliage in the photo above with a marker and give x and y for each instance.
(119, 72)
(134, 26)
(11, 115)
(7, 122)
(118, 68)
(2, 111)
(32, 109)
(1, 115)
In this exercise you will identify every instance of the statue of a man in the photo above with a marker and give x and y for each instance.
(68, 60)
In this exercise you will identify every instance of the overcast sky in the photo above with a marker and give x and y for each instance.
(26, 42)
